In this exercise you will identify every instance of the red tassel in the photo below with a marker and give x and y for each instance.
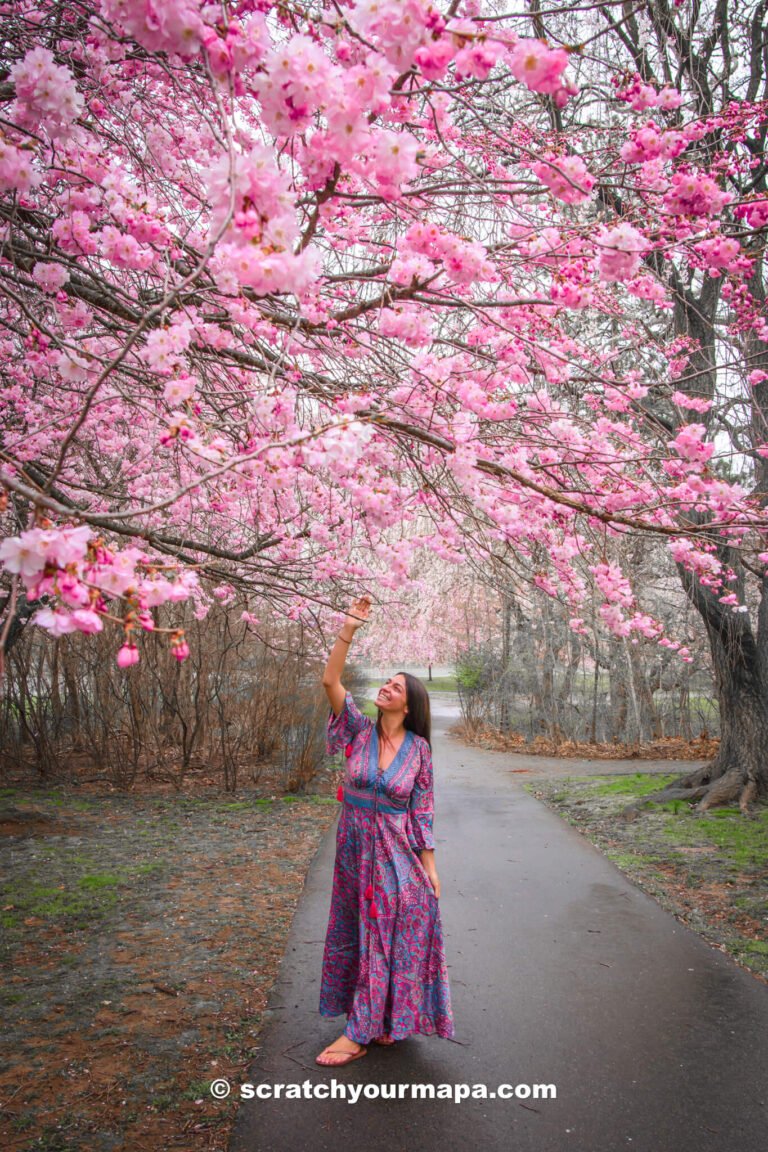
(369, 892)
(372, 909)
(348, 751)
(340, 793)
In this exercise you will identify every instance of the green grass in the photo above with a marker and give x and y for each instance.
(636, 785)
(441, 684)
(67, 888)
(742, 842)
(758, 946)
(196, 1090)
(46, 903)
(629, 859)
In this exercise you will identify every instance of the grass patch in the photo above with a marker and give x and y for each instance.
(442, 684)
(742, 842)
(59, 904)
(94, 882)
(634, 786)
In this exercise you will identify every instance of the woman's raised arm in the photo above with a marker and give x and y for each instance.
(335, 690)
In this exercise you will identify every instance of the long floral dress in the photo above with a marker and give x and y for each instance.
(384, 959)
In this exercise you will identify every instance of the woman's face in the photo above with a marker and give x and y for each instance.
(392, 697)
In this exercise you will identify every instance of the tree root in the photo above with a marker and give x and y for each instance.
(727, 788)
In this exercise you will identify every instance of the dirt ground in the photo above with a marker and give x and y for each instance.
(141, 935)
(710, 870)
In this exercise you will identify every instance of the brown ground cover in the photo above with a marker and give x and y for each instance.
(141, 936)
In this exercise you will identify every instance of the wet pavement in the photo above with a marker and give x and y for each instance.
(562, 972)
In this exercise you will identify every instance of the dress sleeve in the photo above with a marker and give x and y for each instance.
(343, 728)
(421, 805)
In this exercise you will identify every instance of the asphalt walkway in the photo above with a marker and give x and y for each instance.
(562, 972)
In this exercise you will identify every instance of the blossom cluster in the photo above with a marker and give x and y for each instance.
(464, 261)
(620, 250)
(17, 173)
(566, 177)
(174, 26)
(46, 94)
(76, 573)
(695, 194)
(641, 96)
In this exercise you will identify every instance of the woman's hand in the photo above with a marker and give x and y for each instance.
(358, 613)
(434, 879)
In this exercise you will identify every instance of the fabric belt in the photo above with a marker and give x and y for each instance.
(372, 803)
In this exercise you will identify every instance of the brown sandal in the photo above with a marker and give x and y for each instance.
(347, 1057)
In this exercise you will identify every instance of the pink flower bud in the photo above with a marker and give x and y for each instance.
(128, 654)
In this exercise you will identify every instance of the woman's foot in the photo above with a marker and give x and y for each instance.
(341, 1052)
(385, 1039)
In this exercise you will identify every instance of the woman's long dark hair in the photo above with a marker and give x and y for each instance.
(418, 718)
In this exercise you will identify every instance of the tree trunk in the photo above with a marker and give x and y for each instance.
(617, 680)
(506, 627)
(739, 772)
(739, 655)
(650, 728)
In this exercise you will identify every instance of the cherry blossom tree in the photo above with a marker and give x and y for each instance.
(291, 296)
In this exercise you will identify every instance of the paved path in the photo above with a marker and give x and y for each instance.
(562, 972)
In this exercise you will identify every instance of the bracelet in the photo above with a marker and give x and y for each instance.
(342, 639)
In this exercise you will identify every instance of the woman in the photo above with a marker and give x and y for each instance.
(384, 961)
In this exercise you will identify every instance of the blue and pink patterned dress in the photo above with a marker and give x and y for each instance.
(384, 960)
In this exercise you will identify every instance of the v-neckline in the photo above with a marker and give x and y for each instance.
(377, 774)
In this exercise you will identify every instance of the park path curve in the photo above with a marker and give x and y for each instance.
(562, 972)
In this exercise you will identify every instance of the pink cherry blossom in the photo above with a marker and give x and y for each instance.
(17, 172)
(476, 59)
(755, 212)
(537, 65)
(46, 94)
(724, 252)
(695, 194)
(55, 622)
(87, 620)
(160, 25)
(620, 249)
(694, 403)
(690, 444)
(566, 176)
(434, 57)
(50, 277)
(127, 655)
(179, 388)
